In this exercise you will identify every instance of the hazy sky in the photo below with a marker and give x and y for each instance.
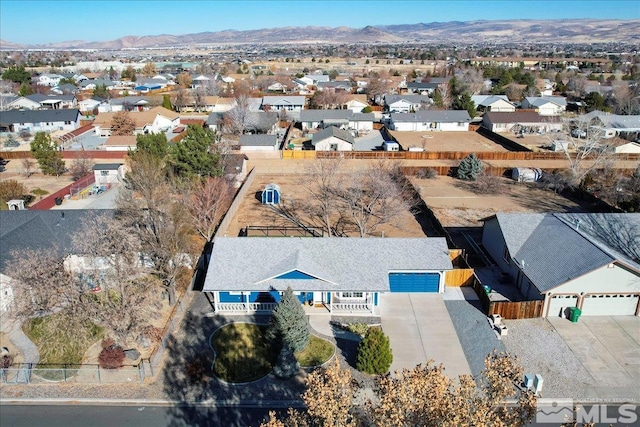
(42, 21)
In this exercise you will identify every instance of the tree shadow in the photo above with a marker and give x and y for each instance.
(201, 398)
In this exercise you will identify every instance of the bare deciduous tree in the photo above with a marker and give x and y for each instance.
(81, 166)
(237, 120)
(28, 166)
(207, 202)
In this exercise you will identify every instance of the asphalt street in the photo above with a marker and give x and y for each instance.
(129, 416)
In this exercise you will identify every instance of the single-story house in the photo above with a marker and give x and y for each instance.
(155, 120)
(610, 122)
(120, 143)
(258, 143)
(356, 103)
(545, 105)
(335, 85)
(108, 173)
(127, 103)
(288, 103)
(422, 88)
(340, 275)
(333, 139)
(313, 119)
(39, 120)
(90, 104)
(589, 261)
(431, 120)
(406, 103)
(627, 148)
(505, 122)
(496, 103)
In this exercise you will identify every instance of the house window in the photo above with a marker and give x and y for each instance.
(67, 122)
(351, 294)
(505, 254)
(235, 293)
(104, 173)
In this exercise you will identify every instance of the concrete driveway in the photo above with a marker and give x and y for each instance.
(609, 348)
(419, 329)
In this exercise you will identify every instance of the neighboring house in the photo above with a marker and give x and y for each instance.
(288, 103)
(92, 84)
(496, 103)
(54, 102)
(120, 143)
(48, 79)
(335, 85)
(508, 122)
(346, 119)
(6, 293)
(127, 103)
(258, 143)
(49, 230)
(155, 120)
(406, 103)
(332, 139)
(610, 123)
(277, 87)
(90, 104)
(108, 173)
(39, 120)
(545, 105)
(343, 276)
(431, 120)
(23, 103)
(627, 148)
(422, 88)
(374, 141)
(65, 89)
(316, 78)
(356, 103)
(588, 261)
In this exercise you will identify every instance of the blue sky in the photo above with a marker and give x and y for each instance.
(42, 21)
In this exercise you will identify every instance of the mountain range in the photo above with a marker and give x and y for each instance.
(512, 31)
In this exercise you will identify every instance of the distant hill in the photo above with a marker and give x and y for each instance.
(532, 31)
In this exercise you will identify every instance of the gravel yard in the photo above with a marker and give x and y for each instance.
(475, 335)
(542, 350)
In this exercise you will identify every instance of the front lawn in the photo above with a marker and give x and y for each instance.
(317, 352)
(57, 342)
(242, 352)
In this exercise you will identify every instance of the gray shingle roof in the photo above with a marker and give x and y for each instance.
(553, 250)
(363, 264)
(47, 230)
(38, 116)
(372, 141)
(444, 116)
(332, 131)
(258, 140)
(412, 99)
(319, 115)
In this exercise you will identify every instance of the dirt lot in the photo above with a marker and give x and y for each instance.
(446, 141)
(455, 205)
(13, 170)
(252, 212)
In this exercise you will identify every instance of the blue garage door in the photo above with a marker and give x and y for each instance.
(414, 282)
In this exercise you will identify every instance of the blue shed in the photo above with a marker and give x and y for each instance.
(271, 194)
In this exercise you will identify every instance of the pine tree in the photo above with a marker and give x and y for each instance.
(470, 167)
(289, 323)
(374, 353)
(287, 365)
(166, 102)
(46, 153)
(193, 155)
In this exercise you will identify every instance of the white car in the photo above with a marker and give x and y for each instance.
(579, 133)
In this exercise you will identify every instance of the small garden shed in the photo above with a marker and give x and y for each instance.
(271, 194)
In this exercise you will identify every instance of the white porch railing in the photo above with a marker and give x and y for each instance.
(245, 307)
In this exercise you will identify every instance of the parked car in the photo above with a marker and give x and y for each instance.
(579, 133)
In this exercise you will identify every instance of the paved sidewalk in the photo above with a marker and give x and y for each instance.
(420, 329)
(13, 329)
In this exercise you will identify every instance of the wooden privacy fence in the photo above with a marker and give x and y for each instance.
(516, 309)
(68, 155)
(507, 309)
(459, 277)
(235, 205)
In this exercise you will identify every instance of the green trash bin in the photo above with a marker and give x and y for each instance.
(574, 314)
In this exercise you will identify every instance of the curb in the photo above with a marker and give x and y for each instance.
(154, 402)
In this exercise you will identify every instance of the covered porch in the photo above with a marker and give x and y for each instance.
(315, 302)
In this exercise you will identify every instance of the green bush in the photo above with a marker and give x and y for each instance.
(374, 353)
(358, 328)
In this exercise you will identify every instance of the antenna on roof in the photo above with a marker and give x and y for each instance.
(577, 224)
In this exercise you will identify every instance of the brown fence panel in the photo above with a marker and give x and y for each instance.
(235, 205)
(517, 309)
(459, 277)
